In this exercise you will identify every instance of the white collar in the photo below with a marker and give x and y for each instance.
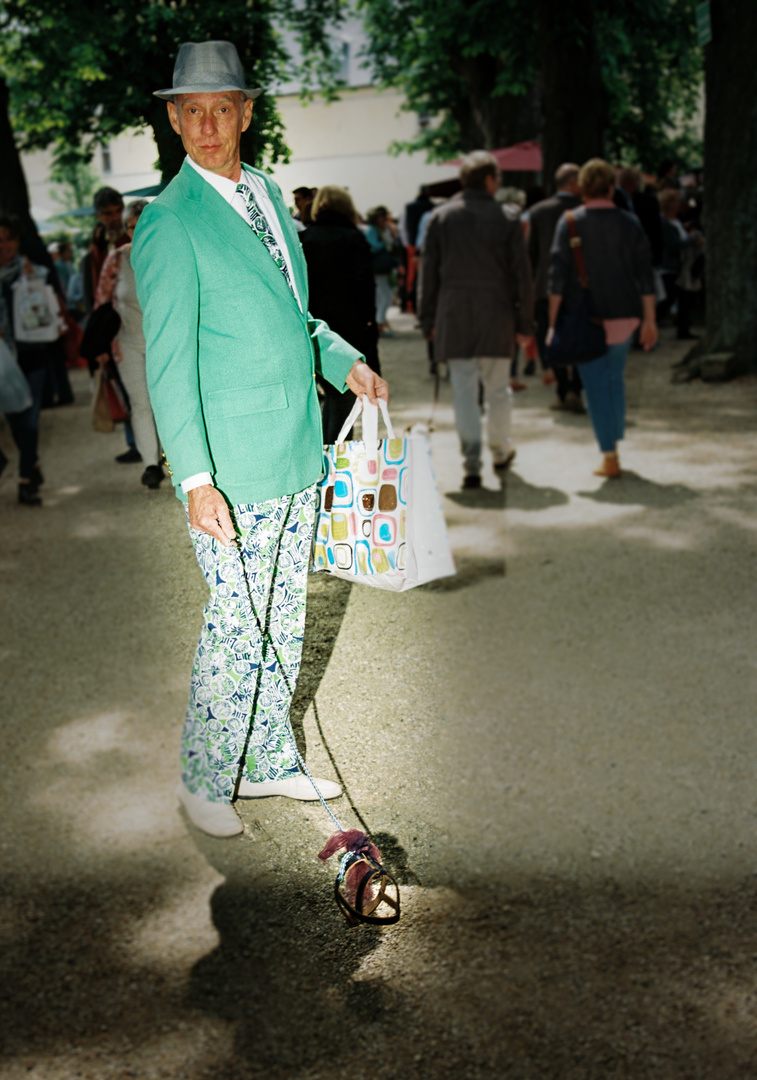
(226, 188)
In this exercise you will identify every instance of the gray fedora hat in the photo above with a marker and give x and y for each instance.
(207, 67)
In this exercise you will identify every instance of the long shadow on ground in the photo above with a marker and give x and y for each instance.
(544, 978)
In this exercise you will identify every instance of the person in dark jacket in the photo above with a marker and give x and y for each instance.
(677, 247)
(476, 302)
(33, 359)
(619, 268)
(342, 290)
(543, 218)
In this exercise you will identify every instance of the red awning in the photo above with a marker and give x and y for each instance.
(523, 157)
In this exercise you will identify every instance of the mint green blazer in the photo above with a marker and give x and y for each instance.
(231, 358)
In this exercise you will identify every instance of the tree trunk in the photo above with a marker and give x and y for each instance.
(730, 153)
(573, 96)
(171, 153)
(14, 194)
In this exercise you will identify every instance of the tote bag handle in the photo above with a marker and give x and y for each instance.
(370, 421)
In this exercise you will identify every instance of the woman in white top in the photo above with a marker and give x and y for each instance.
(117, 285)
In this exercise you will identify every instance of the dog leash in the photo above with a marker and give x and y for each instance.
(362, 884)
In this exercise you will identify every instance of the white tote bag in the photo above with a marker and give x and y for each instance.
(36, 312)
(379, 517)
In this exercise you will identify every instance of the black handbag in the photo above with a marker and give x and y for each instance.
(384, 262)
(579, 333)
(102, 326)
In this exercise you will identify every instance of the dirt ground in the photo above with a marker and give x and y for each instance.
(555, 751)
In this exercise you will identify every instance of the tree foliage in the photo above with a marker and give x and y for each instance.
(79, 75)
(468, 63)
(479, 68)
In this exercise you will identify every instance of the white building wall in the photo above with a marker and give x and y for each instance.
(345, 142)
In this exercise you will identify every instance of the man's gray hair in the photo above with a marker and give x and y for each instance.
(133, 210)
(475, 167)
(566, 173)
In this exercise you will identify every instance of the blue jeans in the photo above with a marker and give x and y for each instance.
(606, 395)
(25, 425)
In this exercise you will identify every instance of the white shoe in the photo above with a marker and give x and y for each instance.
(293, 787)
(214, 818)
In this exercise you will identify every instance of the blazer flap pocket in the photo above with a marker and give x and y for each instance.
(247, 400)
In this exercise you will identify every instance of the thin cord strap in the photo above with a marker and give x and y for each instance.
(267, 642)
(577, 249)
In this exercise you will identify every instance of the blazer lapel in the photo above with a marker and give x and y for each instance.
(233, 230)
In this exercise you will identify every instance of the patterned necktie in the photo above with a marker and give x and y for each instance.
(259, 224)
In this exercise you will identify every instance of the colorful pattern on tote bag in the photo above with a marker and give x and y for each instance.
(361, 511)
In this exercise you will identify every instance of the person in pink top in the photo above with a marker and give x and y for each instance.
(619, 268)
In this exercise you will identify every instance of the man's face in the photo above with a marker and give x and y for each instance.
(110, 217)
(210, 126)
(301, 201)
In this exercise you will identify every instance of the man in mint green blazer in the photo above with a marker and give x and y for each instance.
(232, 357)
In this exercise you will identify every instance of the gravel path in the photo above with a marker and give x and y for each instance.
(555, 750)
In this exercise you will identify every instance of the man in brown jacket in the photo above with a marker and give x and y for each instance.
(476, 300)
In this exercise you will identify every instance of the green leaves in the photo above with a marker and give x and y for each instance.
(472, 65)
(78, 75)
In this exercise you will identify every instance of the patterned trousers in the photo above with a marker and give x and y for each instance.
(240, 678)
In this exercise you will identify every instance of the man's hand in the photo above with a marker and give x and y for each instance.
(363, 380)
(524, 339)
(209, 513)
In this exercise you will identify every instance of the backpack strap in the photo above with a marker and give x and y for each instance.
(575, 244)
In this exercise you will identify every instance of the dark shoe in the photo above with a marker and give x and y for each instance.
(530, 368)
(505, 463)
(152, 476)
(559, 406)
(27, 495)
(129, 457)
(472, 483)
(36, 477)
(574, 404)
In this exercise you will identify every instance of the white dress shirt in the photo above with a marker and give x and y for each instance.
(227, 189)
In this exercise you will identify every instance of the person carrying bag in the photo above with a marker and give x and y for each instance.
(579, 334)
(594, 329)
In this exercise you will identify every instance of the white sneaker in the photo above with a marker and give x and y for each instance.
(293, 787)
(214, 818)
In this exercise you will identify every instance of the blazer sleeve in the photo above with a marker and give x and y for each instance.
(560, 259)
(333, 356)
(521, 282)
(428, 282)
(168, 292)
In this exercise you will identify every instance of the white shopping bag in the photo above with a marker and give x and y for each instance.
(36, 313)
(379, 517)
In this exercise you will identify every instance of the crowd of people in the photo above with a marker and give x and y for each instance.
(478, 269)
(500, 269)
